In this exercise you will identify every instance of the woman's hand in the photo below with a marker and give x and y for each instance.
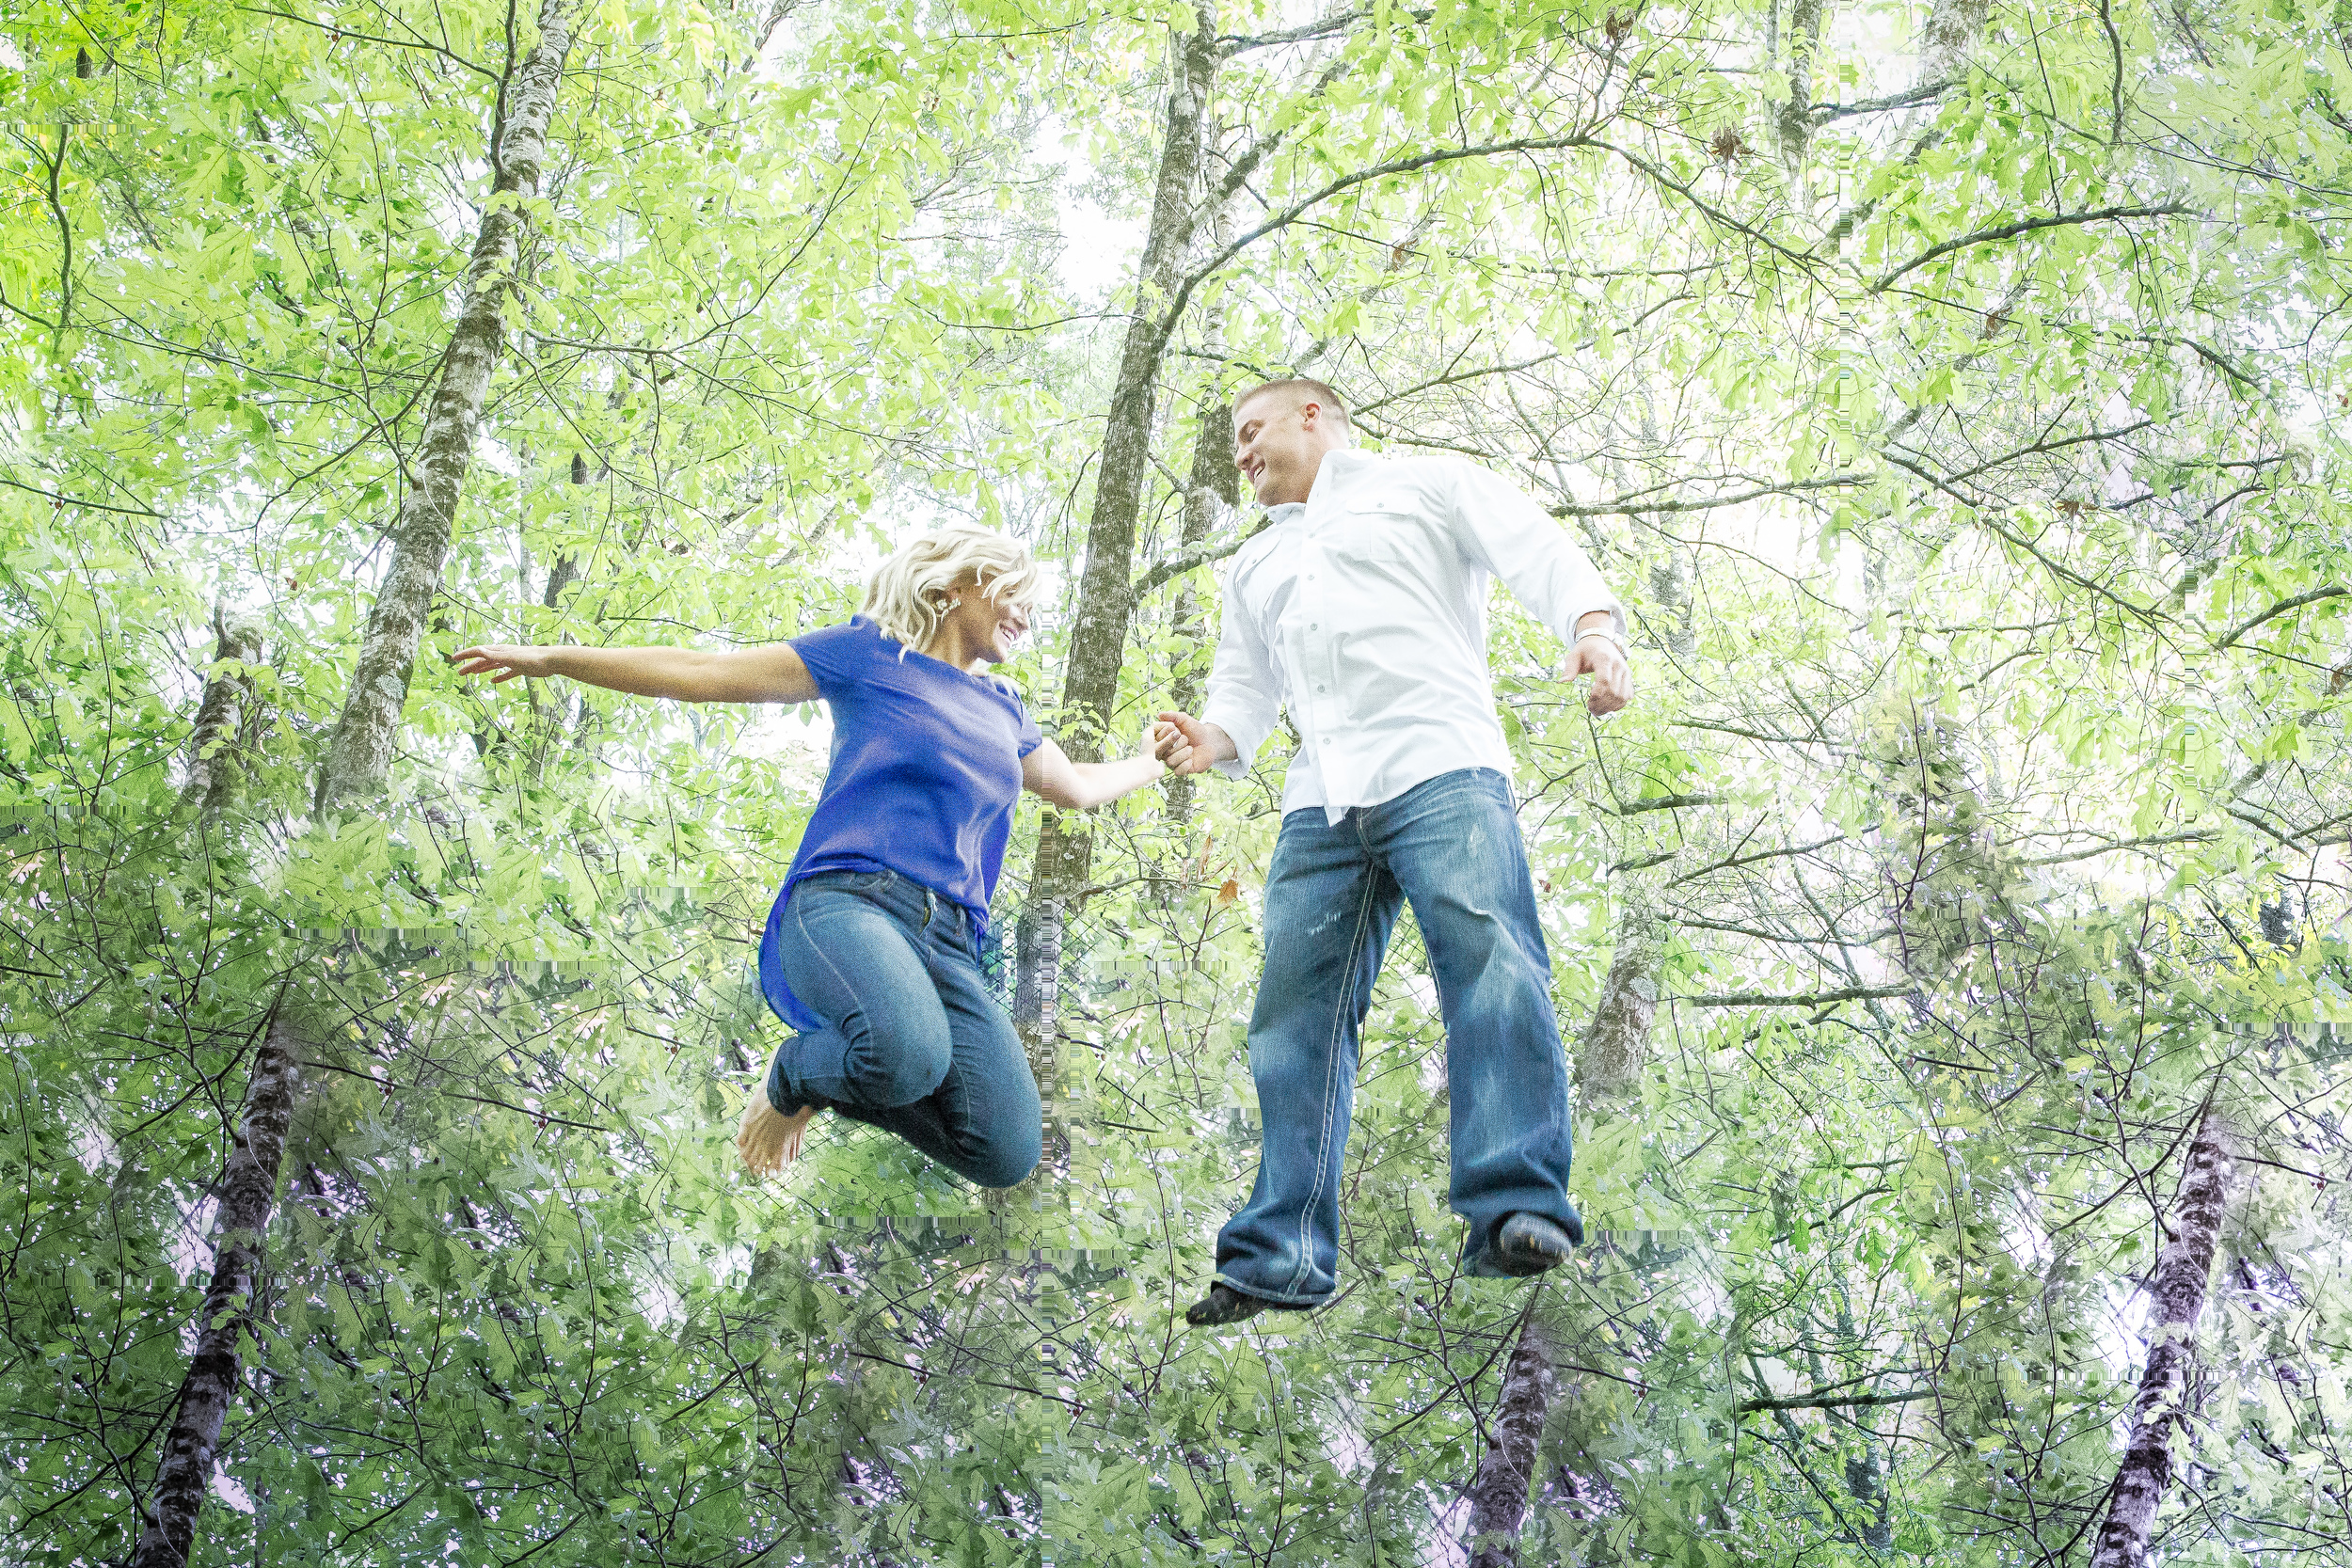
(503, 662)
(1190, 745)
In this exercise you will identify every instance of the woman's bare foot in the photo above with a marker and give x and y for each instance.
(769, 1140)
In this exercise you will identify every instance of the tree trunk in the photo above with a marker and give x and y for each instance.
(248, 1190)
(360, 757)
(1498, 1495)
(1796, 113)
(1211, 490)
(1098, 642)
(1614, 1051)
(1609, 1061)
(1952, 30)
(1036, 1005)
(2177, 1295)
(222, 718)
(1611, 1057)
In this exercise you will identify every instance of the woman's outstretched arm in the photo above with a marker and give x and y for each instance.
(770, 674)
(1075, 785)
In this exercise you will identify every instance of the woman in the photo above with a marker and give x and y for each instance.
(872, 949)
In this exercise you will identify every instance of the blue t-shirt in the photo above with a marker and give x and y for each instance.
(925, 767)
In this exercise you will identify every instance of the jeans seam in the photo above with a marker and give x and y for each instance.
(800, 918)
(956, 1137)
(1331, 1093)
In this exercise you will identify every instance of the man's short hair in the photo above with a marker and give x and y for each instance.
(1303, 389)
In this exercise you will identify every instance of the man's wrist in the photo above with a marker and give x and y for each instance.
(1608, 634)
(1218, 742)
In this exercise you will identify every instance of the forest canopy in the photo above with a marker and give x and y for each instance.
(1950, 938)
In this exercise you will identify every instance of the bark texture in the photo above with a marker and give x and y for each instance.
(1037, 1005)
(1796, 113)
(1611, 1057)
(1614, 1051)
(1098, 640)
(248, 1190)
(2177, 1295)
(1212, 492)
(1498, 1494)
(1952, 30)
(360, 757)
(223, 717)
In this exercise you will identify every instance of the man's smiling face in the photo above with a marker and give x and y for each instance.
(1278, 441)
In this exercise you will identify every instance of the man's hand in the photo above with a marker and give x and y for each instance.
(1612, 677)
(501, 661)
(1190, 745)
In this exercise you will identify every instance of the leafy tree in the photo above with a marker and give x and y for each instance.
(1950, 391)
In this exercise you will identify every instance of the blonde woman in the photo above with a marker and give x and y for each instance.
(872, 948)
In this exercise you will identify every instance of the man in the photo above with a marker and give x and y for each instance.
(1361, 609)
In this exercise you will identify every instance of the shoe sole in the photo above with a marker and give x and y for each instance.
(1523, 1260)
(1262, 1307)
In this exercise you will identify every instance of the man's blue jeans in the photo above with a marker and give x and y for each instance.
(914, 1042)
(1451, 846)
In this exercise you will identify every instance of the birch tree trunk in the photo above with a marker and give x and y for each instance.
(248, 1190)
(1098, 642)
(2177, 1295)
(360, 757)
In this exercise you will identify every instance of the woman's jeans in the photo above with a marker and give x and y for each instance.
(914, 1042)
(1450, 845)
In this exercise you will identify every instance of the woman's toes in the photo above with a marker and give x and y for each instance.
(767, 1138)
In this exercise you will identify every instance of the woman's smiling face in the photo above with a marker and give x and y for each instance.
(990, 628)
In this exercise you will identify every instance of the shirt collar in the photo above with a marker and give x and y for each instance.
(1330, 473)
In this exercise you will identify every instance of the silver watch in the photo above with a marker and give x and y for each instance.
(1613, 635)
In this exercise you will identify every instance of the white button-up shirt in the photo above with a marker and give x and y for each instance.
(1363, 610)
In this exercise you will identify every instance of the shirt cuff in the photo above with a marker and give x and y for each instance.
(1248, 734)
(1616, 619)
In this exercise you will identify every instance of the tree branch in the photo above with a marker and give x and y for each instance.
(2281, 608)
(2027, 226)
(1817, 999)
(1187, 561)
(1665, 802)
(1911, 98)
(1832, 1402)
(1632, 506)
(76, 500)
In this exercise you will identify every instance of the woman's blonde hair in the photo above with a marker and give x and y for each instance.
(909, 595)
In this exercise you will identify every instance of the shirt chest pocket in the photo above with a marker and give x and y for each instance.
(1382, 545)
